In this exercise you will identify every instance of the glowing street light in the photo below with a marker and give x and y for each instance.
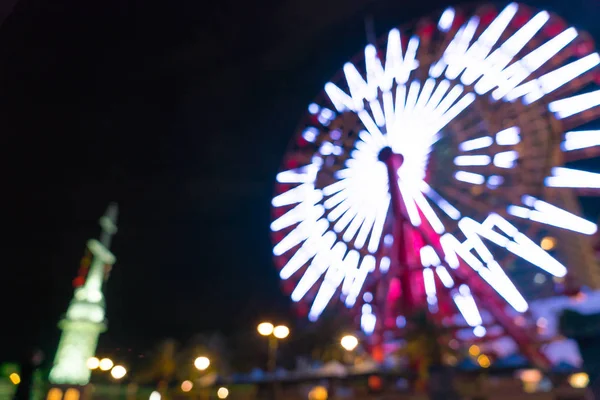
(118, 372)
(155, 396)
(106, 364)
(274, 333)
(201, 363)
(222, 393)
(93, 363)
(186, 386)
(265, 328)
(281, 332)
(349, 342)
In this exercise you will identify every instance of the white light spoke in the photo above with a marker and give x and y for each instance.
(444, 276)
(506, 159)
(354, 226)
(572, 178)
(573, 105)
(463, 103)
(308, 249)
(367, 266)
(365, 229)
(409, 203)
(393, 59)
(549, 214)
(466, 305)
(307, 210)
(377, 231)
(576, 140)
(519, 71)
(446, 20)
(469, 177)
(388, 109)
(438, 94)
(428, 212)
(501, 57)
(476, 144)
(455, 58)
(488, 39)
(509, 137)
(446, 207)
(350, 267)
(338, 211)
(304, 230)
(474, 160)
(317, 267)
(341, 101)
(293, 196)
(555, 79)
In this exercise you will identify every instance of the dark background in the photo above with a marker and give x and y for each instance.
(180, 111)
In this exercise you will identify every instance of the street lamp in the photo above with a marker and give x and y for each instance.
(201, 363)
(106, 364)
(349, 342)
(118, 372)
(274, 333)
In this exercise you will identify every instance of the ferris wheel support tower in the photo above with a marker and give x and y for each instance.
(85, 317)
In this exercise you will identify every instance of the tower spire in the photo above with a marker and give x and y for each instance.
(85, 320)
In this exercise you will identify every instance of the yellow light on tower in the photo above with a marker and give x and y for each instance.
(265, 328)
(318, 393)
(222, 393)
(281, 331)
(201, 363)
(349, 342)
(106, 364)
(118, 372)
(93, 363)
(14, 378)
(579, 380)
(186, 386)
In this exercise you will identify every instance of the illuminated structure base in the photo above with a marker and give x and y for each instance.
(85, 318)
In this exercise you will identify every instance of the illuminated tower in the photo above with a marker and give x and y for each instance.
(84, 320)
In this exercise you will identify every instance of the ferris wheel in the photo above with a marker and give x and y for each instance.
(432, 164)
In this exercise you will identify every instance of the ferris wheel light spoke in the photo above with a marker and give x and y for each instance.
(409, 63)
(447, 101)
(350, 267)
(576, 140)
(481, 48)
(506, 159)
(522, 246)
(304, 230)
(317, 267)
(338, 211)
(346, 219)
(388, 109)
(336, 199)
(367, 266)
(429, 257)
(446, 20)
(476, 144)
(475, 160)
(438, 94)
(499, 59)
(426, 93)
(365, 229)
(429, 281)
(549, 214)
(466, 305)
(377, 113)
(377, 230)
(308, 249)
(520, 70)
(409, 203)
(299, 175)
(293, 196)
(305, 210)
(428, 212)
(444, 276)
(573, 178)
(371, 127)
(393, 58)
(469, 177)
(341, 101)
(455, 55)
(553, 80)
(353, 228)
(573, 105)
(459, 107)
(446, 207)
(509, 137)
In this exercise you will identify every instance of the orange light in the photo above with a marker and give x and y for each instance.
(474, 350)
(14, 378)
(483, 361)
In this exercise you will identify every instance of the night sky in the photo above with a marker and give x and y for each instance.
(180, 112)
